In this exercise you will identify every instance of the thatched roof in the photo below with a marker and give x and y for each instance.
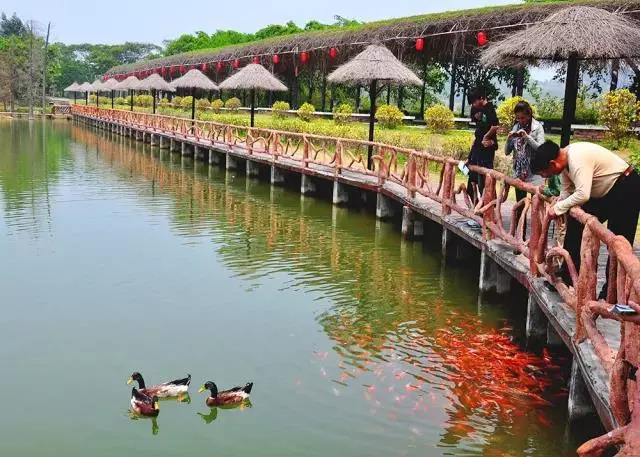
(253, 76)
(109, 84)
(84, 87)
(447, 34)
(154, 81)
(72, 88)
(580, 31)
(130, 83)
(374, 63)
(194, 79)
(95, 86)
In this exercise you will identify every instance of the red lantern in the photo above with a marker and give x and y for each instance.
(204, 67)
(419, 44)
(256, 60)
(181, 69)
(219, 66)
(163, 71)
(236, 63)
(276, 59)
(304, 56)
(333, 53)
(482, 39)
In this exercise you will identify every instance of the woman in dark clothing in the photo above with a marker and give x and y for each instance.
(485, 143)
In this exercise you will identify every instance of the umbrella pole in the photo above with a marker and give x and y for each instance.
(86, 98)
(193, 103)
(98, 99)
(570, 98)
(112, 105)
(253, 104)
(153, 93)
(131, 92)
(75, 97)
(372, 119)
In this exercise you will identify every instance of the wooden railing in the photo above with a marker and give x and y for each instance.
(434, 177)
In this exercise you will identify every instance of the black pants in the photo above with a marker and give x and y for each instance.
(620, 207)
(479, 180)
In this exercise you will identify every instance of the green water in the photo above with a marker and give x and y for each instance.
(119, 258)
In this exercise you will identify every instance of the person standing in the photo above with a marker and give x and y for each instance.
(525, 138)
(598, 180)
(485, 143)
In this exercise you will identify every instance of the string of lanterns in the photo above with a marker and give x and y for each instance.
(482, 40)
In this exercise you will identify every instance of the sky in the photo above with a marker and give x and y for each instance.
(117, 21)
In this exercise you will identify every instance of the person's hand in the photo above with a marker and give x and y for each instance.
(512, 135)
(487, 143)
(551, 211)
(523, 133)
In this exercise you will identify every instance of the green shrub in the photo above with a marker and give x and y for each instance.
(634, 159)
(92, 98)
(618, 110)
(121, 101)
(202, 104)
(177, 101)
(305, 112)
(233, 104)
(457, 147)
(216, 105)
(164, 102)
(506, 116)
(342, 113)
(279, 110)
(439, 118)
(186, 102)
(143, 100)
(389, 116)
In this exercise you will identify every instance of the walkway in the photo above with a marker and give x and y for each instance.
(421, 189)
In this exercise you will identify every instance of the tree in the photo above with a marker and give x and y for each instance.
(11, 26)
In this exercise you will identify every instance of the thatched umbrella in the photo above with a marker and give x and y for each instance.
(573, 34)
(375, 63)
(73, 88)
(96, 87)
(253, 76)
(109, 86)
(85, 87)
(153, 83)
(130, 84)
(193, 79)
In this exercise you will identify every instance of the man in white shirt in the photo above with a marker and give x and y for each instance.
(597, 180)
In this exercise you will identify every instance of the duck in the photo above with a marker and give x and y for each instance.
(174, 388)
(233, 396)
(143, 404)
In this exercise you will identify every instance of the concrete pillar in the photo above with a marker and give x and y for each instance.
(307, 186)
(214, 157)
(553, 339)
(407, 222)
(536, 321)
(580, 404)
(340, 194)
(186, 149)
(384, 209)
(231, 163)
(199, 152)
(164, 142)
(488, 274)
(503, 281)
(154, 139)
(174, 145)
(253, 169)
(277, 176)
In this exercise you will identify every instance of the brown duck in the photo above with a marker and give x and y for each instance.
(234, 396)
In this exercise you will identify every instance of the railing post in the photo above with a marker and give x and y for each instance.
(488, 195)
(305, 154)
(448, 184)
(250, 140)
(536, 229)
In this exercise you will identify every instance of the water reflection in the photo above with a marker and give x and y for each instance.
(213, 412)
(404, 345)
(155, 428)
(32, 159)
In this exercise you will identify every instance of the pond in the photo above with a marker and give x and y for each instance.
(120, 258)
